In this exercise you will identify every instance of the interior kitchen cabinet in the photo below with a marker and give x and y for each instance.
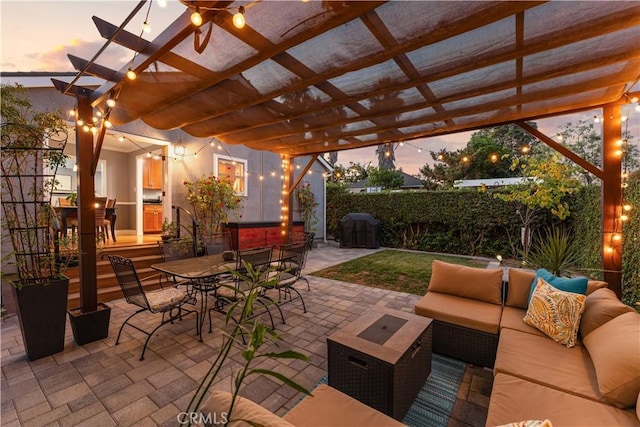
(152, 174)
(152, 218)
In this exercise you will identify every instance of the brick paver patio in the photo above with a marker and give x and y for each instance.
(101, 384)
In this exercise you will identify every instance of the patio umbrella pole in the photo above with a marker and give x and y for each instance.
(86, 209)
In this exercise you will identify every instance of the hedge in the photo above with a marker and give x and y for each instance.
(475, 223)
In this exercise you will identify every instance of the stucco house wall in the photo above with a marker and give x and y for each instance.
(262, 202)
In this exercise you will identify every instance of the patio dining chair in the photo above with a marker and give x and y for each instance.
(168, 301)
(217, 243)
(290, 264)
(232, 290)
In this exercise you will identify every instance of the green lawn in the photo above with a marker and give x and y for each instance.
(394, 270)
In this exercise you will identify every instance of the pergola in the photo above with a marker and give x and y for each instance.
(303, 78)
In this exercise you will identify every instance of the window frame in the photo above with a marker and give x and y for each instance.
(216, 171)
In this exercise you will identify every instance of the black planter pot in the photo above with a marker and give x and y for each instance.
(42, 314)
(90, 327)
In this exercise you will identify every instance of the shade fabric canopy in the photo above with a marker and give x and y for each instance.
(313, 77)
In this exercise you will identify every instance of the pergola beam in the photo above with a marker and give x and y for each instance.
(612, 198)
(562, 150)
(561, 37)
(500, 11)
(496, 87)
(547, 94)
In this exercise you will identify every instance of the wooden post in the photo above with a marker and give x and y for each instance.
(287, 198)
(612, 197)
(86, 207)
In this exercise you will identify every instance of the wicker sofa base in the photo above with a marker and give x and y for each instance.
(469, 345)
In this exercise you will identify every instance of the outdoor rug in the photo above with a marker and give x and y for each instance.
(433, 406)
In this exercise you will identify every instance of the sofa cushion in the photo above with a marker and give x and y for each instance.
(466, 312)
(594, 285)
(542, 361)
(519, 287)
(514, 399)
(600, 307)
(615, 350)
(481, 284)
(512, 319)
(329, 406)
(555, 312)
(216, 407)
(576, 285)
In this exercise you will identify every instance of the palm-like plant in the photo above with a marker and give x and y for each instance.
(554, 251)
(243, 306)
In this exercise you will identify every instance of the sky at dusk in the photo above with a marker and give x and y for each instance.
(38, 35)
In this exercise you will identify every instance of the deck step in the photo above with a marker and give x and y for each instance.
(143, 257)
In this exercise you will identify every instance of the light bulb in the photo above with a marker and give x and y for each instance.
(609, 249)
(494, 158)
(99, 113)
(616, 237)
(75, 167)
(72, 112)
(465, 159)
(85, 128)
(131, 75)
(419, 150)
(195, 155)
(624, 217)
(80, 122)
(111, 102)
(401, 144)
(196, 18)
(121, 138)
(149, 154)
(261, 177)
(627, 208)
(145, 27)
(94, 130)
(107, 124)
(238, 18)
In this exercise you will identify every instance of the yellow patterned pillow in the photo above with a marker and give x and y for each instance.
(556, 313)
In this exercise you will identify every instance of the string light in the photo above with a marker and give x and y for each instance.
(196, 18)
(238, 18)
(131, 75)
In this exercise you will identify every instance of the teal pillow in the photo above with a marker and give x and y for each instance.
(577, 285)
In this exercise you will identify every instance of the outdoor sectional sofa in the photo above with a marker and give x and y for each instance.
(327, 407)
(479, 319)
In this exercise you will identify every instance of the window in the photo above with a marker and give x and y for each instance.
(234, 169)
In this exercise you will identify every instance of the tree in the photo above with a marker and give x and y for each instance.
(548, 180)
(388, 179)
(355, 172)
(488, 154)
(583, 139)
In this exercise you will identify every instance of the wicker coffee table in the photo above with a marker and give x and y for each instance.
(382, 359)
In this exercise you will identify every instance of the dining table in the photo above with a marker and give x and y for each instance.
(202, 273)
(71, 212)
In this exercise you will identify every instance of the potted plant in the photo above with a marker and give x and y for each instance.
(169, 230)
(32, 150)
(214, 201)
(241, 310)
(307, 207)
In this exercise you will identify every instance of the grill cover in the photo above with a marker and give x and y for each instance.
(359, 230)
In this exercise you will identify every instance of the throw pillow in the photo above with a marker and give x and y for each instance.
(577, 285)
(555, 312)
